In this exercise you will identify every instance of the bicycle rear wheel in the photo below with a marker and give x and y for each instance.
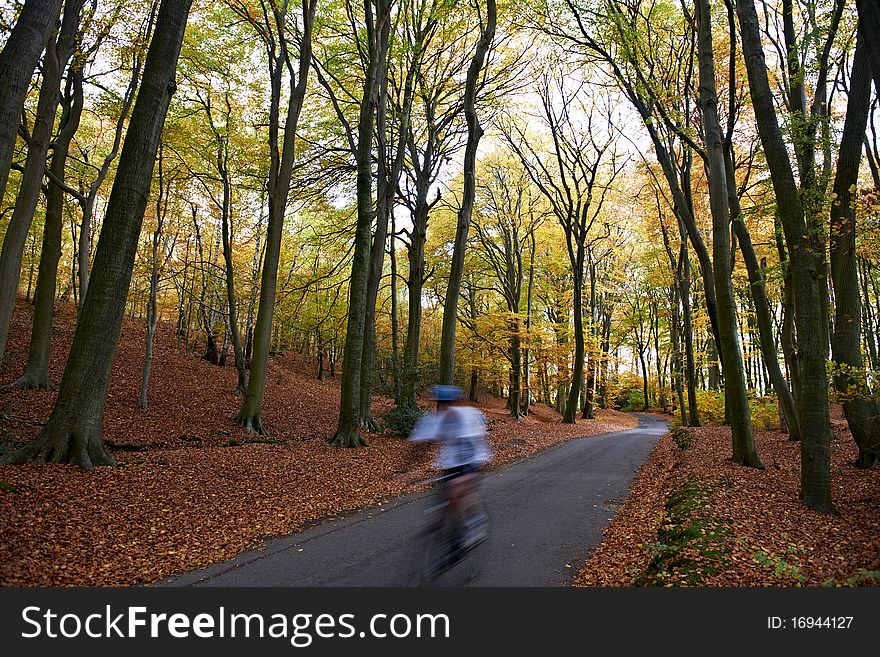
(439, 547)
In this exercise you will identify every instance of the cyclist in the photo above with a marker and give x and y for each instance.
(461, 430)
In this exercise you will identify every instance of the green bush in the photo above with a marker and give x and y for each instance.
(631, 399)
(710, 405)
(764, 410)
(400, 420)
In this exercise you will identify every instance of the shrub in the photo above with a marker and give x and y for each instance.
(400, 420)
(764, 410)
(710, 404)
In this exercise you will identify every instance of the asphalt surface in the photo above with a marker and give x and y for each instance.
(546, 516)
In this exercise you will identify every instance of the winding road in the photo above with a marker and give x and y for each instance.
(547, 514)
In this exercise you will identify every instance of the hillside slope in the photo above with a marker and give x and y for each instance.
(200, 490)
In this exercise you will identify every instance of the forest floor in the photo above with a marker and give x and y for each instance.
(194, 488)
(694, 518)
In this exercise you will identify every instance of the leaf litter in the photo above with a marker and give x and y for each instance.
(193, 488)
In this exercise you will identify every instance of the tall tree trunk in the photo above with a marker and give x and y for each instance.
(862, 412)
(475, 132)
(577, 376)
(226, 212)
(395, 321)
(736, 396)
(591, 358)
(152, 318)
(762, 308)
(869, 26)
(280, 172)
(605, 356)
(72, 433)
(868, 322)
(386, 190)
(415, 281)
(348, 430)
(527, 352)
(684, 282)
(37, 373)
(515, 354)
(255, 272)
(806, 264)
(18, 60)
(58, 53)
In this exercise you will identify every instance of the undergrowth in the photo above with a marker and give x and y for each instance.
(691, 541)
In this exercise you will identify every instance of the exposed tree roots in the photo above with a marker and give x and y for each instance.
(31, 381)
(85, 449)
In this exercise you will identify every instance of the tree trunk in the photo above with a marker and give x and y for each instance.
(475, 132)
(869, 27)
(862, 412)
(58, 53)
(868, 322)
(806, 264)
(151, 307)
(348, 430)
(515, 370)
(527, 352)
(735, 395)
(18, 60)
(37, 373)
(73, 432)
(386, 189)
(589, 389)
(280, 172)
(684, 282)
(395, 326)
(240, 366)
(762, 309)
(415, 282)
(577, 376)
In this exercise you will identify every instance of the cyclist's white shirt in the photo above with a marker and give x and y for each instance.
(462, 432)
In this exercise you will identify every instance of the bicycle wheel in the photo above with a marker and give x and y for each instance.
(437, 547)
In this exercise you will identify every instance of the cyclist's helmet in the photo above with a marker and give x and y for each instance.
(446, 393)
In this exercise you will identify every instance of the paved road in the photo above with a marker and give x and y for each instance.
(546, 515)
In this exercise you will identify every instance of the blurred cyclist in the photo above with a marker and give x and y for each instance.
(461, 430)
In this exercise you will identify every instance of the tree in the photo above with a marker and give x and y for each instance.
(506, 217)
(58, 54)
(734, 380)
(18, 60)
(37, 372)
(475, 133)
(862, 412)
(348, 430)
(433, 136)
(575, 178)
(272, 28)
(73, 432)
(804, 251)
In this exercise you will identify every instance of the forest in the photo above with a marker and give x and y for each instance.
(569, 208)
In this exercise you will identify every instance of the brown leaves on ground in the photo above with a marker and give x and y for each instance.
(200, 492)
(771, 539)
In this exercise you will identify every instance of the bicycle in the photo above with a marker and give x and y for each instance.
(445, 540)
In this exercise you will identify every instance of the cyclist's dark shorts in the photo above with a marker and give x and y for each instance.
(458, 471)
